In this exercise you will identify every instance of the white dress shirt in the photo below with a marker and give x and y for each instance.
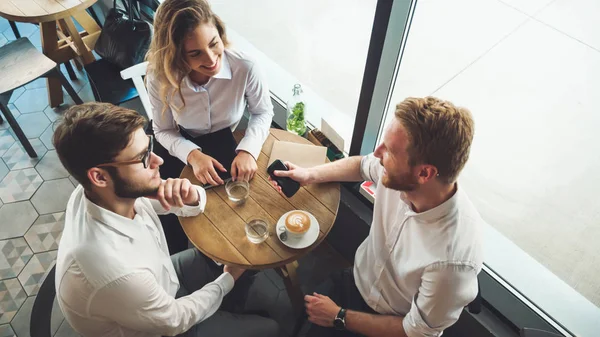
(216, 105)
(114, 276)
(422, 266)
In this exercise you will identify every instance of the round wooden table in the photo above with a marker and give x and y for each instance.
(219, 232)
(62, 44)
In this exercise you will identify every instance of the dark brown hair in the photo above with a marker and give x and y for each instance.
(91, 134)
(440, 134)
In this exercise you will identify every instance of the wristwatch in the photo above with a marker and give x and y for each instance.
(339, 323)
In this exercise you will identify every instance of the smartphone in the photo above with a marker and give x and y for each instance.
(289, 187)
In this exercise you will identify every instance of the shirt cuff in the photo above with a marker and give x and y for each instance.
(252, 146)
(184, 149)
(226, 282)
(415, 326)
(195, 210)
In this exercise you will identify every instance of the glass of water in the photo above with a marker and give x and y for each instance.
(238, 190)
(257, 231)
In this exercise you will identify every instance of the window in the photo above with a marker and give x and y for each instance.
(320, 44)
(529, 72)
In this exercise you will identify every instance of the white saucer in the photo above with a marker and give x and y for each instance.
(304, 241)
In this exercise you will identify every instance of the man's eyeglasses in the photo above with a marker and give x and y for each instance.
(145, 160)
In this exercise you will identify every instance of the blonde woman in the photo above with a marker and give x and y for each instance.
(197, 86)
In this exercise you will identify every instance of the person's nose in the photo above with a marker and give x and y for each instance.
(378, 152)
(210, 59)
(155, 160)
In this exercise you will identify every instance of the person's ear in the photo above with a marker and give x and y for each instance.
(98, 177)
(426, 173)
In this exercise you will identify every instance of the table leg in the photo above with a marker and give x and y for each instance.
(292, 286)
(50, 47)
(82, 49)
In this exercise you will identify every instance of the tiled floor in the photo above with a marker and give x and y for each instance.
(33, 196)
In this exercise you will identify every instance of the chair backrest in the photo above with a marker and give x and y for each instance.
(41, 313)
(136, 73)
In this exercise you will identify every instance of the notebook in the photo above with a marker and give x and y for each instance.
(303, 155)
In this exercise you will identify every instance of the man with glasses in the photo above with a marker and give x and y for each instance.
(114, 276)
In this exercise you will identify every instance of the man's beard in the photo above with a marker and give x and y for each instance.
(125, 189)
(404, 183)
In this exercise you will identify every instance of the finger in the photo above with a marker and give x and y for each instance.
(290, 166)
(218, 165)
(160, 196)
(176, 190)
(186, 191)
(279, 173)
(209, 179)
(200, 177)
(169, 191)
(215, 176)
(234, 171)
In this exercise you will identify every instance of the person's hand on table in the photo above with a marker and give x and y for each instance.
(205, 168)
(176, 192)
(321, 310)
(243, 167)
(234, 271)
(297, 173)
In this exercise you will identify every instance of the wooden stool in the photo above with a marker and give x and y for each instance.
(21, 63)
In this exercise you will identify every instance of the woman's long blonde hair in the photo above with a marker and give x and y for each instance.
(174, 19)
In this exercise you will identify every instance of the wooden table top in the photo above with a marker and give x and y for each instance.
(37, 11)
(219, 232)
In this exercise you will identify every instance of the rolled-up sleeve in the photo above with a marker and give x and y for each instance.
(370, 168)
(445, 290)
(138, 302)
(165, 126)
(261, 112)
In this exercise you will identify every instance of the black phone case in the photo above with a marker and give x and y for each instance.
(289, 187)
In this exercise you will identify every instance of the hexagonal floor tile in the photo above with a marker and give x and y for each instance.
(33, 124)
(33, 100)
(46, 137)
(45, 233)
(50, 167)
(21, 323)
(25, 29)
(36, 84)
(3, 40)
(6, 140)
(14, 255)
(3, 170)
(19, 185)
(6, 331)
(16, 219)
(16, 94)
(35, 271)
(16, 158)
(52, 196)
(12, 297)
(14, 111)
(86, 94)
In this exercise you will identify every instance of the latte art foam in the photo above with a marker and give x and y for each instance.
(297, 222)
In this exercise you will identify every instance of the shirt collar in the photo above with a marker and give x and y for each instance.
(123, 225)
(225, 72)
(438, 212)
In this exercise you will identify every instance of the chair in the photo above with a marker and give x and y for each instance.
(136, 74)
(21, 63)
(41, 313)
(107, 84)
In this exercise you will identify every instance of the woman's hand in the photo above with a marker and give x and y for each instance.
(205, 168)
(243, 166)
